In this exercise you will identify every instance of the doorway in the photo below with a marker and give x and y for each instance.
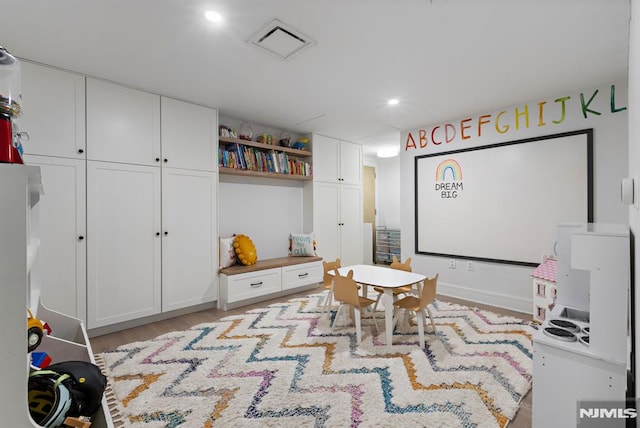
(369, 203)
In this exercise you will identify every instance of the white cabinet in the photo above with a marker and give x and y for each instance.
(337, 199)
(245, 286)
(152, 196)
(123, 124)
(20, 190)
(296, 276)
(337, 222)
(53, 111)
(189, 252)
(61, 272)
(336, 161)
(266, 279)
(123, 238)
(189, 135)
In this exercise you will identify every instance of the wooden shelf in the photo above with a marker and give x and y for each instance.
(251, 173)
(294, 152)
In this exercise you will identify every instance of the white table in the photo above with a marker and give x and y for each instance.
(386, 278)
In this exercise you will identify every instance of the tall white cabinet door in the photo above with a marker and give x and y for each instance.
(53, 111)
(123, 239)
(189, 243)
(350, 163)
(350, 225)
(189, 135)
(326, 206)
(62, 256)
(325, 158)
(123, 124)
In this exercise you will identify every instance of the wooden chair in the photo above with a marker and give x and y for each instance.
(345, 291)
(395, 264)
(419, 304)
(328, 281)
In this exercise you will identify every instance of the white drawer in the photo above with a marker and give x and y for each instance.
(253, 284)
(299, 275)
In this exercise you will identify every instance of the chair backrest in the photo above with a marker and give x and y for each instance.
(397, 264)
(328, 267)
(345, 288)
(428, 294)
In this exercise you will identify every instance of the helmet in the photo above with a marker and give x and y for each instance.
(49, 400)
(69, 388)
(86, 383)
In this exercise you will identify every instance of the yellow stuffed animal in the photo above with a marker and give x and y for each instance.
(245, 249)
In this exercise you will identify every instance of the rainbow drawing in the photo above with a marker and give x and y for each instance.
(448, 165)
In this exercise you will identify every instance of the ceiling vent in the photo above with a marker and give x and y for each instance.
(281, 40)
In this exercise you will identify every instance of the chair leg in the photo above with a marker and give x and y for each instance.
(433, 324)
(375, 306)
(375, 322)
(328, 300)
(358, 324)
(421, 320)
(336, 318)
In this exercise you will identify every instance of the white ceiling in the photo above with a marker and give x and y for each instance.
(442, 58)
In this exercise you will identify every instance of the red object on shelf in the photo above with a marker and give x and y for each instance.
(8, 152)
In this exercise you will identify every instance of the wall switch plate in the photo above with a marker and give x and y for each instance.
(469, 265)
(452, 263)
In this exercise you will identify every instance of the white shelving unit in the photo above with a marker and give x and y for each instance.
(20, 190)
(387, 244)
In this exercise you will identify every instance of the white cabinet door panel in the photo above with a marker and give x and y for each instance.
(325, 158)
(123, 124)
(53, 111)
(351, 225)
(189, 244)
(62, 223)
(326, 206)
(350, 163)
(189, 135)
(123, 224)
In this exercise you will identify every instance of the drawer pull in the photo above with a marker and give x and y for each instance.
(302, 275)
(256, 284)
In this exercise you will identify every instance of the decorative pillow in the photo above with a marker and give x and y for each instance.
(227, 253)
(245, 250)
(302, 244)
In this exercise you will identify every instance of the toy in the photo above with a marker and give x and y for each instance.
(40, 360)
(245, 250)
(35, 331)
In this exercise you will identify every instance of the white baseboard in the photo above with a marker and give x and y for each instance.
(500, 300)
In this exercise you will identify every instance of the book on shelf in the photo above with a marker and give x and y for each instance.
(238, 156)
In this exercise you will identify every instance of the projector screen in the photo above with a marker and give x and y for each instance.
(502, 202)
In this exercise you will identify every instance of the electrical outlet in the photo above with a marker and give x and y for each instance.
(452, 263)
(470, 266)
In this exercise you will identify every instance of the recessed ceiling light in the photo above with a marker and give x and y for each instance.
(393, 101)
(388, 152)
(213, 16)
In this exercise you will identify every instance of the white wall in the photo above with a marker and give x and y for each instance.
(388, 182)
(634, 155)
(265, 209)
(506, 285)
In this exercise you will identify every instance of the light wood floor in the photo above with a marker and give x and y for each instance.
(149, 331)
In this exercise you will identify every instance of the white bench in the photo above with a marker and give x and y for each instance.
(241, 285)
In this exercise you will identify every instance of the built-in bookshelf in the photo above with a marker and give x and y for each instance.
(251, 158)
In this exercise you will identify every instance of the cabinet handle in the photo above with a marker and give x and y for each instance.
(80, 238)
(166, 233)
(81, 151)
(166, 160)
(302, 275)
(256, 284)
(157, 233)
(157, 159)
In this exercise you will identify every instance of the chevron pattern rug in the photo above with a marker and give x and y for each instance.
(283, 366)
